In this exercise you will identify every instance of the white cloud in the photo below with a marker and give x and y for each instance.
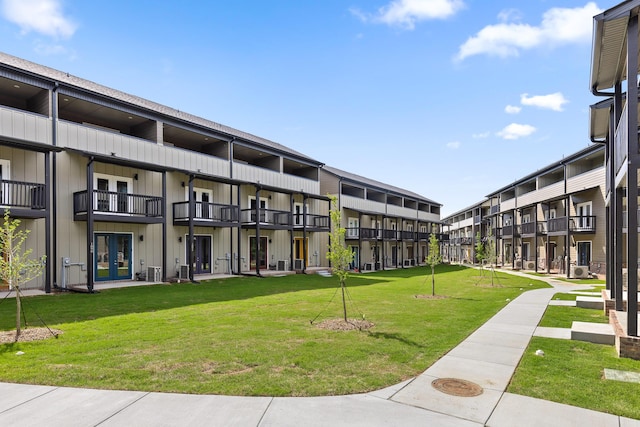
(481, 135)
(516, 131)
(406, 13)
(553, 101)
(559, 26)
(41, 16)
(512, 109)
(454, 145)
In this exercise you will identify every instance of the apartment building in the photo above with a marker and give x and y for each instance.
(614, 122)
(114, 187)
(551, 221)
(386, 226)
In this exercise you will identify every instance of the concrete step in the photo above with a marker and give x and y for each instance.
(598, 333)
(596, 303)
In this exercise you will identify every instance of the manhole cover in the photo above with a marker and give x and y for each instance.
(457, 387)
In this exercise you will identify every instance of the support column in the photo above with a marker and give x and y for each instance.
(632, 177)
(164, 226)
(190, 238)
(258, 245)
(90, 238)
(49, 261)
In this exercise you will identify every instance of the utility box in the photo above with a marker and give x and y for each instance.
(154, 274)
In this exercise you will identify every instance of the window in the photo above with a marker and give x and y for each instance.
(584, 220)
(112, 193)
(5, 175)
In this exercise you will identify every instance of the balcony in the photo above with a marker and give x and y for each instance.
(23, 199)
(207, 214)
(466, 240)
(534, 228)
(510, 231)
(312, 222)
(352, 233)
(576, 224)
(408, 235)
(109, 206)
(582, 224)
(269, 218)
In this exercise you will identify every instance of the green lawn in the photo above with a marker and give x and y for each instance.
(572, 372)
(252, 336)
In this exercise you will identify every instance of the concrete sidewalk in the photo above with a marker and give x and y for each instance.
(488, 358)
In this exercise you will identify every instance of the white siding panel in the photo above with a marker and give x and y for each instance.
(550, 191)
(400, 211)
(507, 205)
(528, 199)
(586, 180)
(362, 205)
(23, 125)
(275, 179)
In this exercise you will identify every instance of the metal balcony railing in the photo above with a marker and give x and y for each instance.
(116, 203)
(20, 194)
(312, 221)
(267, 217)
(205, 211)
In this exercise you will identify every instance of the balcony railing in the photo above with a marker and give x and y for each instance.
(205, 211)
(312, 221)
(17, 194)
(267, 217)
(582, 224)
(495, 209)
(408, 235)
(530, 228)
(352, 233)
(116, 203)
(510, 230)
(466, 240)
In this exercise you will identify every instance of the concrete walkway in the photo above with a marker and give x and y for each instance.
(488, 358)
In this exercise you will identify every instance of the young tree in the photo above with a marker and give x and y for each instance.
(339, 255)
(490, 253)
(15, 265)
(481, 255)
(433, 259)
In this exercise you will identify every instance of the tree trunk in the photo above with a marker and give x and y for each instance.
(433, 282)
(18, 309)
(344, 302)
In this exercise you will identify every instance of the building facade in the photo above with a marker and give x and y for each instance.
(117, 188)
(386, 227)
(551, 221)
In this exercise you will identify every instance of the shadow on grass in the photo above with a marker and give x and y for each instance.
(70, 307)
(395, 337)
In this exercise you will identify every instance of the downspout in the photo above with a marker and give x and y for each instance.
(305, 246)
(192, 210)
(291, 238)
(258, 218)
(164, 226)
(90, 238)
(231, 186)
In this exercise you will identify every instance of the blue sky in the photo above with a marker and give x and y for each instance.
(451, 99)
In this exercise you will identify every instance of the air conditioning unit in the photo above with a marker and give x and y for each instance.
(282, 265)
(531, 265)
(154, 274)
(298, 264)
(518, 264)
(183, 273)
(579, 272)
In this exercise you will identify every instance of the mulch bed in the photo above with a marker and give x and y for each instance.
(431, 296)
(341, 325)
(26, 335)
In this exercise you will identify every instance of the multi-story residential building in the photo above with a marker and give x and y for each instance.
(113, 186)
(386, 227)
(614, 122)
(552, 220)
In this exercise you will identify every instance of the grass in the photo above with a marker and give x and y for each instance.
(252, 336)
(572, 372)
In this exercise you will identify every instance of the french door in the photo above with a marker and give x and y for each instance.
(202, 262)
(112, 260)
(257, 255)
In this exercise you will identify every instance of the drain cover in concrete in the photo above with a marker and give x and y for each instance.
(457, 387)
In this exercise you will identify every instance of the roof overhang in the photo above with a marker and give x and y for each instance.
(608, 60)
